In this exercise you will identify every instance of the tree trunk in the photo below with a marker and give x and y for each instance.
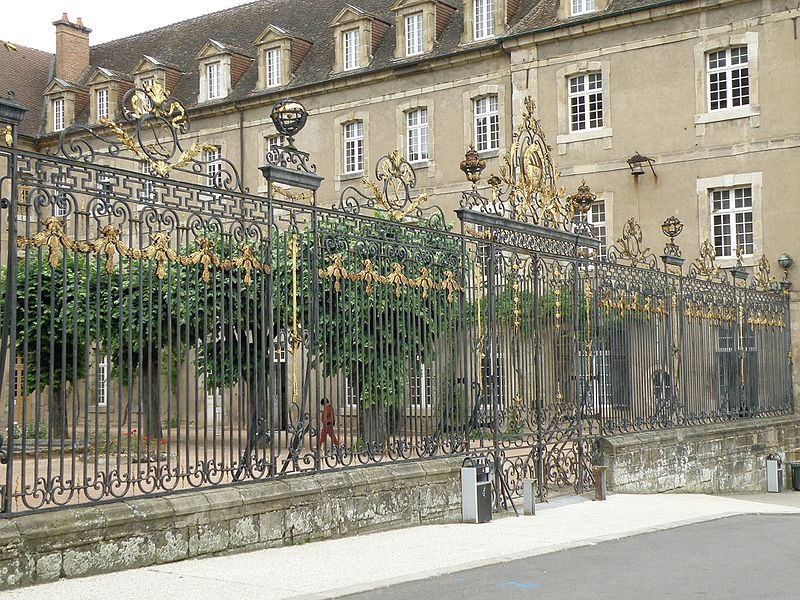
(151, 393)
(375, 428)
(57, 415)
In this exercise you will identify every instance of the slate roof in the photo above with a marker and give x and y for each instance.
(238, 27)
(543, 14)
(27, 72)
(177, 45)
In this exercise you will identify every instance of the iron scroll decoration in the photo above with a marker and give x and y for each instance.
(289, 117)
(393, 194)
(151, 134)
(526, 187)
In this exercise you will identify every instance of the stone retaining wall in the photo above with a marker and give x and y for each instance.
(104, 538)
(724, 457)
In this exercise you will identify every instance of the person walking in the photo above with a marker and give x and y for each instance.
(326, 423)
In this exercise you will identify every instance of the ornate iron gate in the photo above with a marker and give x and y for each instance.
(164, 329)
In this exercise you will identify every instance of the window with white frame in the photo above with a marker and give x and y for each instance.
(274, 142)
(60, 206)
(732, 220)
(420, 384)
(585, 96)
(214, 80)
(148, 193)
(581, 7)
(102, 382)
(213, 160)
(414, 34)
(351, 49)
(214, 406)
(101, 100)
(483, 19)
(417, 134)
(728, 78)
(487, 124)
(273, 62)
(58, 114)
(596, 216)
(354, 147)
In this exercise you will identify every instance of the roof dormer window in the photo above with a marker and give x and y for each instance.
(280, 53)
(214, 80)
(64, 101)
(418, 25)
(272, 60)
(221, 67)
(351, 46)
(488, 19)
(58, 114)
(101, 103)
(582, 7)
(357, 35)
(414, 31)
(483, 20)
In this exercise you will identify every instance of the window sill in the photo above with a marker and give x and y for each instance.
(420, 164)
(728, 114)
(489, 153)
(725, 262)
(350, 176)
(584, 136)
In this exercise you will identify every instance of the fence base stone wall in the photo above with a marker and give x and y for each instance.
(720, 458)
(89, 540)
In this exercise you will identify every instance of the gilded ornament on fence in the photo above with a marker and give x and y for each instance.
(337, 272)
(630, 247)
(155, 101)
(109, 244)
(704, 265)
(160, 167)
(763, 278)
(8, 134)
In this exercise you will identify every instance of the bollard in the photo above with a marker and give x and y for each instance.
(529, 496)
(599, 473)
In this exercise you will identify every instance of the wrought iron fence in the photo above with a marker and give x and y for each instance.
(164, 329)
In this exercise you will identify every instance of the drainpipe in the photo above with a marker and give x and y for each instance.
(239, 108)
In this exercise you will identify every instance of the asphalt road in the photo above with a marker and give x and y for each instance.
(752, 557)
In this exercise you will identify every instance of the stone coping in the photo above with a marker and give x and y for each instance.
(627, 440)
(109, 536)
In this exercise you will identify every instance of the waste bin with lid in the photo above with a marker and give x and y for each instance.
(476, 490)
(795, 467)
(774, 473)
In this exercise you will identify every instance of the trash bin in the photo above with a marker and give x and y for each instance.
(774, 473)
(795, 467)
(476, 490)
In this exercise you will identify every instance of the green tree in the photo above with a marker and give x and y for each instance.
(56, 315)
(371, 331)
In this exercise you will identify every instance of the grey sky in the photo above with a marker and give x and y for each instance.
(29, 22)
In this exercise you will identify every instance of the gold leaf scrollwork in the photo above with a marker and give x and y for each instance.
(154, 100)
(704, 264)
(205, 257)
(762, 277)
(335, 271)
(629, 246)
(368, 276)
(397, 279)
(109, 244)
(159, 167)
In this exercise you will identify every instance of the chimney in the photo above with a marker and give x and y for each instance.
(72, 48)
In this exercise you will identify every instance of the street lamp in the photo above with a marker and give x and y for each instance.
(784, 262)
(637, 162)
